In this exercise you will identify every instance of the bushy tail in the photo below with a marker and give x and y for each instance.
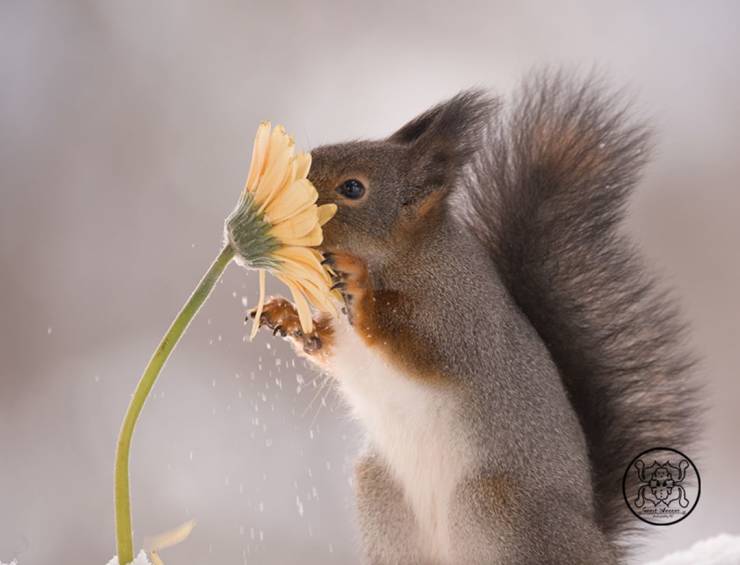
(547, 196)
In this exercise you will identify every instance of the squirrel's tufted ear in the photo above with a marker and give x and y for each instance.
(443, 140)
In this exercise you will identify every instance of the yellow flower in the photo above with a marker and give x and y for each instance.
(277, 224)
(275, 227)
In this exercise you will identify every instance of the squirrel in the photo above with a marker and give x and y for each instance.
(504, 345)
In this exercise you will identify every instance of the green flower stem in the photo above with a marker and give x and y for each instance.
(124, 538)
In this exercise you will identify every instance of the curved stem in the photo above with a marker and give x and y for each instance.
(124, 538)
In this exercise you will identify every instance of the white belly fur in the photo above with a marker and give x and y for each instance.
(413, 427)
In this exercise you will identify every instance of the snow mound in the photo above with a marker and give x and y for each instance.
(723, 549)
(141, 559)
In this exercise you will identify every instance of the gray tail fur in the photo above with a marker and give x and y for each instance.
(547, 196)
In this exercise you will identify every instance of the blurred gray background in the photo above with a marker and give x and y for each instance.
(125, 132)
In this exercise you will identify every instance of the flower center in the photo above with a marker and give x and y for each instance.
(248, 232)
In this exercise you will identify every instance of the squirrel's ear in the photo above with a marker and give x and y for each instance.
(442, 141)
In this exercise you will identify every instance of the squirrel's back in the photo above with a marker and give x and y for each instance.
(546, 196)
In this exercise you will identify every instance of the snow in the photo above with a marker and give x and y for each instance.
(141, 559)
(723, 549)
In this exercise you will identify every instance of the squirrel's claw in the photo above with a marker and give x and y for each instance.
(350, 277)
(280, 316)
(312, 344)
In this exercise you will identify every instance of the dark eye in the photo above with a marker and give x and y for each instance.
(352, 189)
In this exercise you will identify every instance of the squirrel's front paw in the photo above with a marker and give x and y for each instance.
(279, 315)
(350, 278)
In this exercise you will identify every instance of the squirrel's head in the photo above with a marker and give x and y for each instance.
(386, 190)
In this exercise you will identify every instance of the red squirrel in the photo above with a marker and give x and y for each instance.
(503, 344)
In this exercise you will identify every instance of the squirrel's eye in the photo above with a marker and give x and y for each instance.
(352, 189)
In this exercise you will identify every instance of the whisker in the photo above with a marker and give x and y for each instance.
(318, 392)
(324, 385)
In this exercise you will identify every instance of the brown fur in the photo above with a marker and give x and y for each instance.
(375, 314)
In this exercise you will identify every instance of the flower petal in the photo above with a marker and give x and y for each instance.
(326, 213)
(303, 164)
(260, 306)
(294, 199)
(308, 257)
(301, 305)
(274, 179)
(312, 238)
(303, 272)
(259, 152)
(318, 296)
(171, 537)
(280, 143)
(296, 226)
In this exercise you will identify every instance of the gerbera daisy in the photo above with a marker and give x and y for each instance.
(275, 227)
(277, 224)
